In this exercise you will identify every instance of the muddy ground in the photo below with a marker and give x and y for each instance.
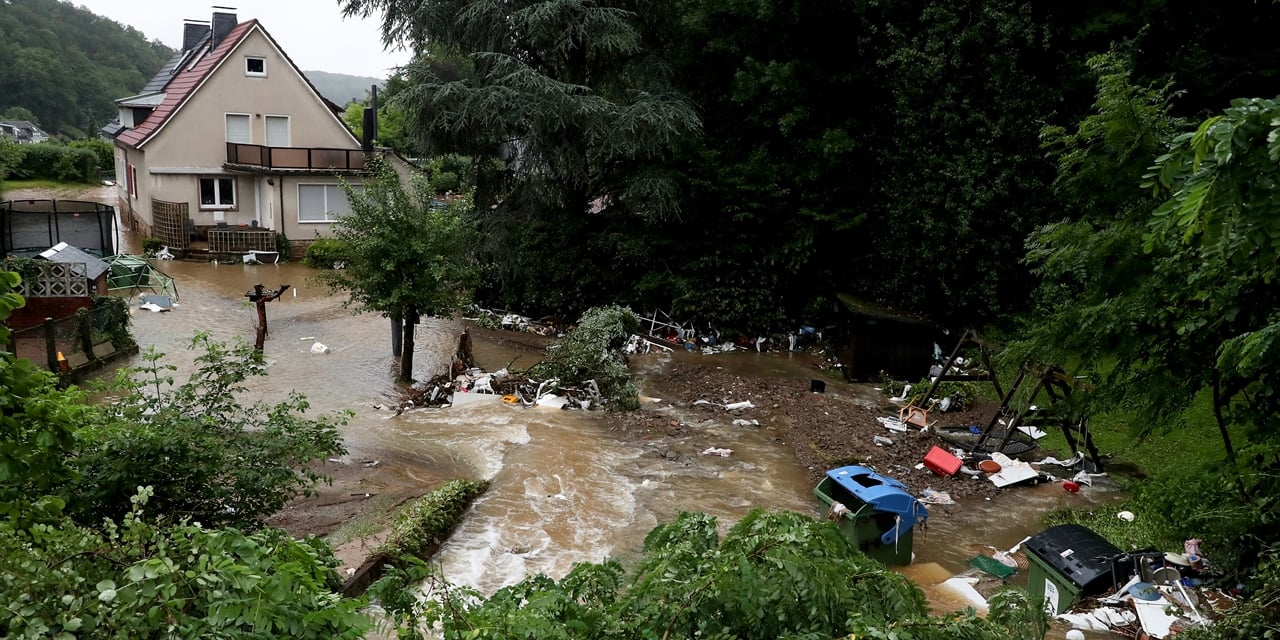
(826, 430)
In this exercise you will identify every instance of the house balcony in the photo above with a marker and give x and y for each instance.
(256, 158)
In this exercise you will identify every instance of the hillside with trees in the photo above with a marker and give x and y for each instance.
(342, 88)
(62, 66)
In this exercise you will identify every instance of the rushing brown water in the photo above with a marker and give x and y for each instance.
(563, 488)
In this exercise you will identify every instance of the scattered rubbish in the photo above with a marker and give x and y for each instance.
(1127, 516)
(1070, 487)
(740, 422)
(990, 565)
(735, 406)
(930, 496)
(1076, 459)
(1100, 619)
(903, 398)
(154, 308)
(914, 416)
(319, 348)
(713, 451)
(1144, 591)
(164, 253)
(881, 441)
(892, 424)
(307, 338)
(989, 466)
(164, 302)
(1011, 471)
(551, 401)
(963, 587)
(370, 463)
(1035, 432)
(817, 386)
(942, 462)
(255, 256)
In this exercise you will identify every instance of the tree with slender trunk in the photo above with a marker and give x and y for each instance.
(405, 253)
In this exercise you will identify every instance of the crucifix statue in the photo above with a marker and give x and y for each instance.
(261, 297)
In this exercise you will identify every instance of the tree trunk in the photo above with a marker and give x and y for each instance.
(406, 356)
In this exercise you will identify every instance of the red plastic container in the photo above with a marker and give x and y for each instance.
(939, 461)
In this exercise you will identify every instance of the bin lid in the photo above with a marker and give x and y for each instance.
(1080, 556)
(882, 493)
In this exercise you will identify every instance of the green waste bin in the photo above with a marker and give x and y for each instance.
(1068, 563)
(876, 514)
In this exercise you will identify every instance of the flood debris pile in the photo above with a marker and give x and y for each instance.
(585, 369)
(1092, 585)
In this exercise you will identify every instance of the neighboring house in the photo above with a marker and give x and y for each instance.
(230, 135)
(22, 131)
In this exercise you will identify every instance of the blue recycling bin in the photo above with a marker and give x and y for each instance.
(876, 514)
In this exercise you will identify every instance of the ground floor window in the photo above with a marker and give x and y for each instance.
(323, 202)
(217, 193)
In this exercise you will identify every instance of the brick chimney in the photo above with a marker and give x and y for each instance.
(223, 22)
(193, 31)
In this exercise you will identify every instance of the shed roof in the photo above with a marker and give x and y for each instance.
(67, 254)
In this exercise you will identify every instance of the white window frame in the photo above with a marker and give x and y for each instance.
(266, 129)
(329, 218)
(132, 177)
(227, 126)
(218, 205)
(255, 74)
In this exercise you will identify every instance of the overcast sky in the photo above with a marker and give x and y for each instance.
(312, 32)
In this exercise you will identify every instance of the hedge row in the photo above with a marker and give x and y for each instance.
(47, 161)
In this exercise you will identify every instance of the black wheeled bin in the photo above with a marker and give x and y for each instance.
(1070, 562)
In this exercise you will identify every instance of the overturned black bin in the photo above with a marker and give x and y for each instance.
(1070, 562)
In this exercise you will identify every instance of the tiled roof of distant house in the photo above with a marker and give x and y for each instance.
(184, 84)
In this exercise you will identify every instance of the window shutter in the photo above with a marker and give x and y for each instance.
(277, 131)
(311, 203)
(238, 129)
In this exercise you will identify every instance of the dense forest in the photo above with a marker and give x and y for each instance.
(65, 65)
(792, 150)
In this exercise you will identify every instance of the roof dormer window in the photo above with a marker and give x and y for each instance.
(255, 67)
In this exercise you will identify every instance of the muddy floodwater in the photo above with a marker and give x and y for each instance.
(564, 488)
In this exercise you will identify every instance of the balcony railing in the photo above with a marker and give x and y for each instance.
(295, 158)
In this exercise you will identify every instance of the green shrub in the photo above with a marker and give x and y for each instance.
(100, 148)
(49, 161)
(284, 247)
(325, 253)
(593, 351)
(444, 181)
(422, 526)
(10, 157)
(151, 245)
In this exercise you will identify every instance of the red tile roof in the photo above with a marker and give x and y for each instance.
(184, 85)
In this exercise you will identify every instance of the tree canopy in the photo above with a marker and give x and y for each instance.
(773, 575)
(404, 252)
